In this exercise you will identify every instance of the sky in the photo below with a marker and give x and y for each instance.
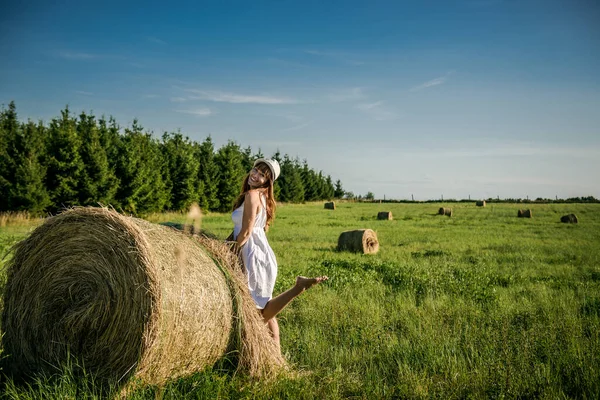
(423, 99)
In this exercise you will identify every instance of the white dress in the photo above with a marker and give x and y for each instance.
(258, 257)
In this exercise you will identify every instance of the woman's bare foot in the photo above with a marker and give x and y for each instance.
(304, 283)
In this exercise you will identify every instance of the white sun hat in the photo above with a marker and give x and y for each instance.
(273, 165)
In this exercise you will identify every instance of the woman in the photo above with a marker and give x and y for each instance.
(253, 212)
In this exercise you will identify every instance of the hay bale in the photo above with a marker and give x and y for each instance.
(361, 240)
(330, 206)
(480, 203)
(126, 298)
(524, 214)
(387, 215)
(445, 211)
(569, 219)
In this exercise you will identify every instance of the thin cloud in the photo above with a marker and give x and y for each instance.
(78, 56)
(376, 111)
(155, 40)
(337, 56)
(286, 63)
(178, 99)
(351, 94)
(224, 97)
(296, 128)
(201, 112)
(433, 82)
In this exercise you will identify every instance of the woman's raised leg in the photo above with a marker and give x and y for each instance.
(276, 304)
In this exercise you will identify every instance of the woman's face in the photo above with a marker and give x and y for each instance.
(257, 178)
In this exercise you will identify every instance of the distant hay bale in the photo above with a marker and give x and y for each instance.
(569, 219)
(385, 215)
(124, 298)
(445, 211)
(480, 203)
(524, 214)
(330, 206)
(361, 240)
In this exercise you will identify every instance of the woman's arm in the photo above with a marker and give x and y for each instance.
(251, 207)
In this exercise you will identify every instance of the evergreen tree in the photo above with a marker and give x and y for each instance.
(259, 154)
(9, 126)
(110, 139)
(98, 183)
(292, 189)
(183, 170)
(309, 181)
(338, 193)
(329, 189)
(247, 159)
(63, 161)
(320, 186)
(140, 166)
(29, 191)
(208, 176)
(229, 161)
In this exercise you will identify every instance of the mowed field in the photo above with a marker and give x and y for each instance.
(479, 305)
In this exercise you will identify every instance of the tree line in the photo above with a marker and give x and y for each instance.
(86, 160)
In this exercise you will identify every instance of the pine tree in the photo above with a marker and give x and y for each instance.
(247, 159)
(292, 189)
(29, 191)
(140, 165)
(183, 170)
(63, 161)
(339, 190)
(9, 126)
(329, 189)
(110, 139)
(98, 183)
(309, 180)
(208, 176)
(229, 161)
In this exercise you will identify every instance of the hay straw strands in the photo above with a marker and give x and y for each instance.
(387, 215)
(480, 203)
(361, 240)
(445, 211)
(524, 214)
(127, 298)
(330, 206)
(569, 219)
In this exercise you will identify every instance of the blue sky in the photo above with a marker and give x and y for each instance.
(479, 98)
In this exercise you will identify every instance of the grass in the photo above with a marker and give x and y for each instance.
(480, 305)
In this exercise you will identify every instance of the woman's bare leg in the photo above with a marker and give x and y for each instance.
(274, 329)
(276, 304)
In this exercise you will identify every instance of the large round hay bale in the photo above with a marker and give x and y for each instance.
(569, 219)
(122, 297)
(330, 205)
(361, 240)
(480, 203)
(445, 211)
(524, 214)
(387, 215)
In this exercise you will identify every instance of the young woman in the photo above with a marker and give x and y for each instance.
(253, 212)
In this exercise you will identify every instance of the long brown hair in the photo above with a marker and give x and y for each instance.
(267, 190)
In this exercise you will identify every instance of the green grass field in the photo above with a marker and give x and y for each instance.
(480, 305)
